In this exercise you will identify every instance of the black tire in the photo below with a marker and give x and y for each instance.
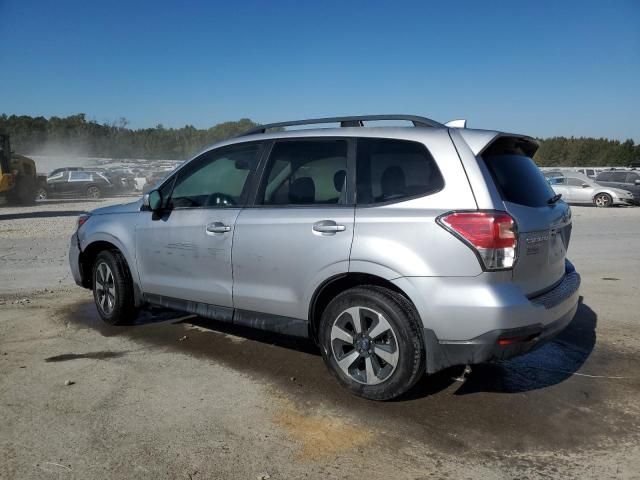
(405, 323)
(123, 310)
(603, 200)
(41, 194)
(94, 192)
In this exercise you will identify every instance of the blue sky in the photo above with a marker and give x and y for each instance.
(543, 67)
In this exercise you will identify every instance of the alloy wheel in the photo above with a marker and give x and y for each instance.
(364, 345)
(41, 194)
(602, 200)
(93, 192)
(105, 288)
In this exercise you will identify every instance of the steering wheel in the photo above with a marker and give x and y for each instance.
(220, 199)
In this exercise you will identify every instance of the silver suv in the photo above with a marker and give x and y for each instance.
(399, 250)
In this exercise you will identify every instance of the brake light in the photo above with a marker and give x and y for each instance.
(492, 235)
(82, 219)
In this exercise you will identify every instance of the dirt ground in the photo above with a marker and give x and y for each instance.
(184, 397)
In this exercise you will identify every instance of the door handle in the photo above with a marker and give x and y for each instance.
(328, 226)
(217, 227)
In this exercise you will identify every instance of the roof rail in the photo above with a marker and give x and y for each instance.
(354, 121)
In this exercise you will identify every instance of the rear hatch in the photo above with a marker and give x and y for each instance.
(543, 221)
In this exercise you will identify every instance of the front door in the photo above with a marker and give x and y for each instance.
(299, 231)
(579, 191)
(184, 251)
(58, 183)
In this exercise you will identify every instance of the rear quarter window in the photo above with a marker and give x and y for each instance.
(518, 179)
(390, 170)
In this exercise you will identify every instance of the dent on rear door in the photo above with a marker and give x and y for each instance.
(278, 258)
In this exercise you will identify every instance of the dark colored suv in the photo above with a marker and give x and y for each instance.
(75, 183)
(625, 179)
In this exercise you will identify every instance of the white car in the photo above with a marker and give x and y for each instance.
(578, 188)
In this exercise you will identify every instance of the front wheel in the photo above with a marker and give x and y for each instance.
(371, 341)
(603, 200)
(113, 288)
(41, 193)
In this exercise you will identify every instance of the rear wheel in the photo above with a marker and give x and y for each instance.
(371, 341)
(113, 288)
(603, 200)
(94, 192)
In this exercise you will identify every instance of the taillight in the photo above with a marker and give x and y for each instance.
(492, 235)
(82, 219)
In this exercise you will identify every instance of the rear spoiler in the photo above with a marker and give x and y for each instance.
(480, 141)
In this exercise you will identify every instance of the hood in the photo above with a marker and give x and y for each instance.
(132, 207)
(618, 191)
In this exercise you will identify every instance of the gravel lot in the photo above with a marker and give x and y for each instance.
(191, 398)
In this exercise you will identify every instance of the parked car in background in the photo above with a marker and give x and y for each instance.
(399, 250)
(552, 174)
(579, 189)
(622, 179)
(123, 180)
(75, 183)
(153, 179)
(589, 172)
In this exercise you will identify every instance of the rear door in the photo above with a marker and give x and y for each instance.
(299, 230)
(78, 182)
(544, 227)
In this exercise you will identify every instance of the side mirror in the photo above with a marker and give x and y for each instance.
(153, 200)
(637, 182)
(585, 185)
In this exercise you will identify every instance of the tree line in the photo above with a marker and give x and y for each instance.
(78, 135)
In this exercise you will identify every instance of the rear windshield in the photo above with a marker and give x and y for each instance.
(519, 180)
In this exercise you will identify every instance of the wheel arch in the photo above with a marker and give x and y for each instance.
(88, 257)
(602, 192)
(337, 284)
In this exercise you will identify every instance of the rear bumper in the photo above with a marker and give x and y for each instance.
(489, 347)
(493, 322)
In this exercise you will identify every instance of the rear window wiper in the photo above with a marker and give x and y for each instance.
(554, 199)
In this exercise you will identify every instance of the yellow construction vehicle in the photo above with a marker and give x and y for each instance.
(18, 177)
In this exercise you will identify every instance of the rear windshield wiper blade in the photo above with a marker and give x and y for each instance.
(554, 199)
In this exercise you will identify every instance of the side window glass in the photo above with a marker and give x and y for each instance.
(306, 172)
(80, 176)
(216, 179)
(389, 170)
(56, 176)
(632, 177)
(604, 177)
(618, 177)
(574, 182)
